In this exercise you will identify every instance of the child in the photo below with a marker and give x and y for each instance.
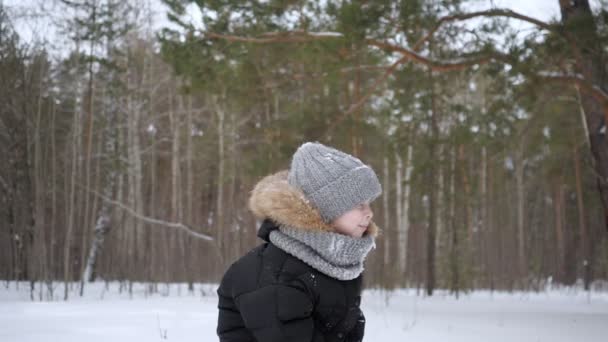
(304, 283)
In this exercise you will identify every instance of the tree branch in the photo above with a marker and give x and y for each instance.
(411, 54)
(493, 13)
(487, 13)
(435, 65)
(302, 36)
(407, 54)
(177, 225)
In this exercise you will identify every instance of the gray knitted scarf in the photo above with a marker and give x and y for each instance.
(336, 255)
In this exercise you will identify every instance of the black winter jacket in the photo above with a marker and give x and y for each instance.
(269, 295)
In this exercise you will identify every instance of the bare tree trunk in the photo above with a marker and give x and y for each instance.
(101, 228)
(234, 225)
(155, 254)
(431, 238)
(38, 256)
(53, 223)
(591, 63)
(453, 242)
(483, 210)
(175, 172)
(467, 193)
(181, 239)
(72, 194)
(440, 190)
(189, 195)
(454, 231)
(104, 217)
(521, 197)
(405, 209)
(559, 235)
(88, 144)
(492, 250)
(85, 261)
(126, 269)
(135, 197)
(582, 225)
(220, 181)
(398, 214)
(385, 201)
(432, 175)
(467, 250)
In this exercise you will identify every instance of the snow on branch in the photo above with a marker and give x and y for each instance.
(276, 37)
(560, 74)
(325, 34)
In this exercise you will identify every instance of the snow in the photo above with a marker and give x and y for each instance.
(325, 34)
(178, 315)
(560, 74)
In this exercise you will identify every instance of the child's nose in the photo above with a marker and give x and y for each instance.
(368, 212)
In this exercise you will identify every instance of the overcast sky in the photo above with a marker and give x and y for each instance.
(33, 28)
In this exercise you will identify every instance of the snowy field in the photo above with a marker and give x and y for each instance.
(174, 314)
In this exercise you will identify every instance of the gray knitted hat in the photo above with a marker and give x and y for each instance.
(334, 181)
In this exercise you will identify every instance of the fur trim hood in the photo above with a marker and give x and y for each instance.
(275, 199)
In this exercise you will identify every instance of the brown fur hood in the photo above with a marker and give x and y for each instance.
(275, 199)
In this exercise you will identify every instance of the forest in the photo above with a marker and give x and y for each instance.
(130, 155)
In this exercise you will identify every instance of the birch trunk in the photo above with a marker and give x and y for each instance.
(404, 205)
(103, 220)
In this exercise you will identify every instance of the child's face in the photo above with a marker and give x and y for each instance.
(355, 221)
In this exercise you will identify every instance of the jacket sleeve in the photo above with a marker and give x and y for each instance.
(230, 324)
(358, 331)
(278, 313)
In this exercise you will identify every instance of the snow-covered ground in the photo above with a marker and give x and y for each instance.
(174, 314)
